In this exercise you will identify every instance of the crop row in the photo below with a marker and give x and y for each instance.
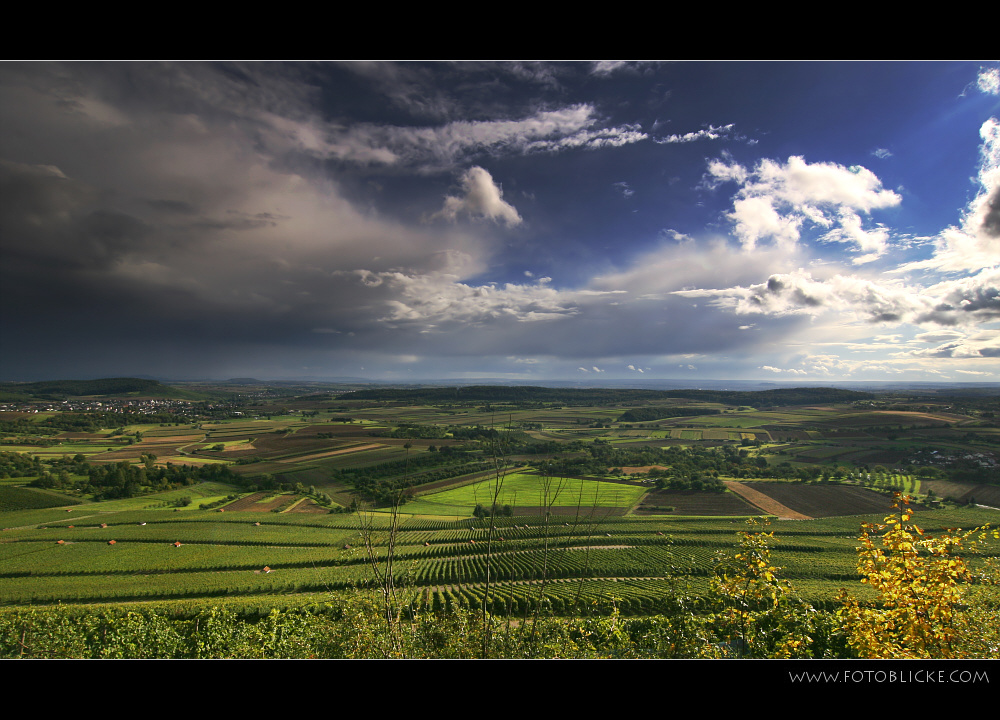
(577, 597)
(91, 572)
(536, 564)
(212, 534)
(97, 588)
(425, 563)
(79, 559)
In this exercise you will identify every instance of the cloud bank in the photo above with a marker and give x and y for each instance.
(165, 217)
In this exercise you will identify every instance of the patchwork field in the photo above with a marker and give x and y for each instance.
(583, 528)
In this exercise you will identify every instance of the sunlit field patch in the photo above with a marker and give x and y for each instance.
(523, 489)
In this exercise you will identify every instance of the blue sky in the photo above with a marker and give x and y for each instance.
(787, 221)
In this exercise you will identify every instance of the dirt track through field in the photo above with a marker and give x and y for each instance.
(330, 453)
(765, 503)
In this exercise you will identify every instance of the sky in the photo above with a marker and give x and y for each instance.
(772, 221)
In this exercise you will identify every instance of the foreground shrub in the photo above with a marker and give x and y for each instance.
(757, 614)
(924, 607)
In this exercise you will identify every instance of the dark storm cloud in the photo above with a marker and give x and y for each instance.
(39, 192)
(991, 219)
(475, 90)
(885, 317)
(972, 299)
(240, 221)
(176, 225)
(187, 201)
(806, 300)
(775, 286)
(107, 235)
(49, 219)
(173, 206)
(175, 217)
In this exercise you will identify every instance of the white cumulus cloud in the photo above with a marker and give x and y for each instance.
(482, 197)
(776, 200)
(989, 81)
(975, 244)
(710, 133)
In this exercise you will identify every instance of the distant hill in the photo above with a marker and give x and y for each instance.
(570, 396)
(57, 389)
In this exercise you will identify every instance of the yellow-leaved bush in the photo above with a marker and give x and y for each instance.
(758, 614)
(923, 606)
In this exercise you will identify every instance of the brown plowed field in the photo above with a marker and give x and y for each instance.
(133, 453)
(228, 454)
(779, 434)
(887, 457)
(690, 502)
(988, 495)
(309, 506)
(307, 438)
(817, 501)
(172, 439)
(331, 453)
(249, 503)
(15, 414)
(335, 428)
(764, 502)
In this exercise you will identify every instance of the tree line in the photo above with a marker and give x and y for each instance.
(124, 480)
(499, 394)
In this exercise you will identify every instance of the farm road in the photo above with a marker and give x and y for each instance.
(765, 503)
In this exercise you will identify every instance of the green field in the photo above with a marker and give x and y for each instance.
(524, 489)
(590, 548)
(226, 552)
(17, 498)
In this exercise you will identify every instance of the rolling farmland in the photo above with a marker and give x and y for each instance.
(580, 530)
(165, 555)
